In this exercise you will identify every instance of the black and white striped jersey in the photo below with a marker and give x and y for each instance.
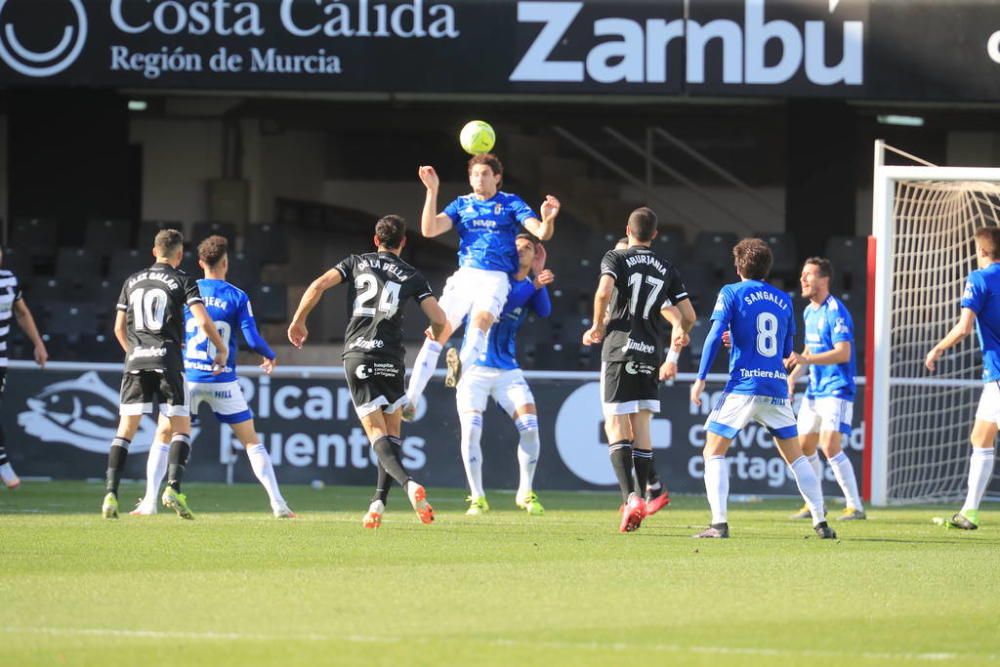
(10, 291)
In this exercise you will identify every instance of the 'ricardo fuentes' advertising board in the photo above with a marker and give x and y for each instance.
(59, 423)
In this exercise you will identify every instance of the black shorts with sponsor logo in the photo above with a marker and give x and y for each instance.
(632, 385)
(142, 389)
(376, 383)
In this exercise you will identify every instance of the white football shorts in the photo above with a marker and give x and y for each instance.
(734, 411)
(825, 414)
(224, 398)
(507, 387)
(471, 290)
(989, 404)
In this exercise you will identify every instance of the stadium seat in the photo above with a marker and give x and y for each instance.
(266, 241)
(72, 320)
(244, 271)
(204, 229)
(126, 262)
(149, 228)
(670, 244)
(270, 303)
(849, 256)
(35, 236)
(715, 249)
(76, 265)
(784, 251)
(107, 235)
(46, 294)
(20, 263)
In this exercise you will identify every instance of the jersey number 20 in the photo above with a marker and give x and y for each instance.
(367, 289)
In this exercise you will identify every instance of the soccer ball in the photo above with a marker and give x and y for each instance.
(477, 137)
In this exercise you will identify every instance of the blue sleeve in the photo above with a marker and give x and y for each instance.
(713, 341)
(250, 334)
(541, 303)
(521, 210)
(452, 210)
(974, 294)
(723, 311)
(842, 330)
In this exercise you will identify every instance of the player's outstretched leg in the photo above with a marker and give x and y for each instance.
(423, 369)
(980, 472)
(373, 517)
(472, 458)
(817, 466)
(180, 450)
(528, 447)
(156, 469)
(843, 471)
(808, 483)
(116, 463)
(634, 508)
(390, 460)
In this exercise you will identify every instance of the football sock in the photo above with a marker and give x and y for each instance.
(389, 459)
(653, 485)
(809, 487)
(423, 369)
(621, 461)
(473, 346)
(3, 455)
(717, 488)
(642, 459)
(980, 472)
(527, 451)
(156, 468)
(817, 465)
(180, 450)
(116, 463)
(472, 451)
(382, 485)
(260, 461)
(844, 472)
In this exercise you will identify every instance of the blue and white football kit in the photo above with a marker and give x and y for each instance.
(229, 308)
(828, 405)
(487, 253)
(496, 372)
(982, 296)
(762, 329)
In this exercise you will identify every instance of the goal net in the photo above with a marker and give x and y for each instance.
(919, 422)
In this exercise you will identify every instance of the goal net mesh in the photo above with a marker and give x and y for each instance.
(930, 415)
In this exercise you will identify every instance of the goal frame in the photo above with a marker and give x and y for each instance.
(876, 453)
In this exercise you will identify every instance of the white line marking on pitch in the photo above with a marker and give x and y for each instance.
(600, 646)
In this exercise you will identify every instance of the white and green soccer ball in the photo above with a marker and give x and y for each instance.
(477, 137)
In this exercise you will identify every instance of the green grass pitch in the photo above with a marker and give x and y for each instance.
(236, 587)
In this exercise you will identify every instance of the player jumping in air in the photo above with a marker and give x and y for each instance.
(230, 310)
(644, 286)
(762, 328)
(496, 373)
(487, 221)
(13, 306)
(980, 312)
(826, 411)
(150, 328)
(373, 350)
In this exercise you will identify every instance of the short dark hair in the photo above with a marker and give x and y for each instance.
(213, 249)
(490, 160)
(528, 237)
(642, 224)
(167, 241)
(390, 231)
(823, 264)
(753, 259)
(989, 238)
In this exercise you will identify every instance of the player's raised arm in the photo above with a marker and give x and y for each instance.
(432, 223)
(200, 315)
(27, 324)
(546, 227)
(965, 326)
(297, 331)
(602, 297)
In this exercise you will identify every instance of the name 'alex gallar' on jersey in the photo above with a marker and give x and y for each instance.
(379, 285)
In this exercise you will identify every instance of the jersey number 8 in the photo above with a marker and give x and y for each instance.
(767, 335)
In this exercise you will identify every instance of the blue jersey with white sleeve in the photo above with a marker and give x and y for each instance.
(487, 229)
(982, 296)
(229, 307)
(826, 325)
(762, 328)
(501, 344)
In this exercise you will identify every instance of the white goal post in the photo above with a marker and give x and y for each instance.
(917, 424)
